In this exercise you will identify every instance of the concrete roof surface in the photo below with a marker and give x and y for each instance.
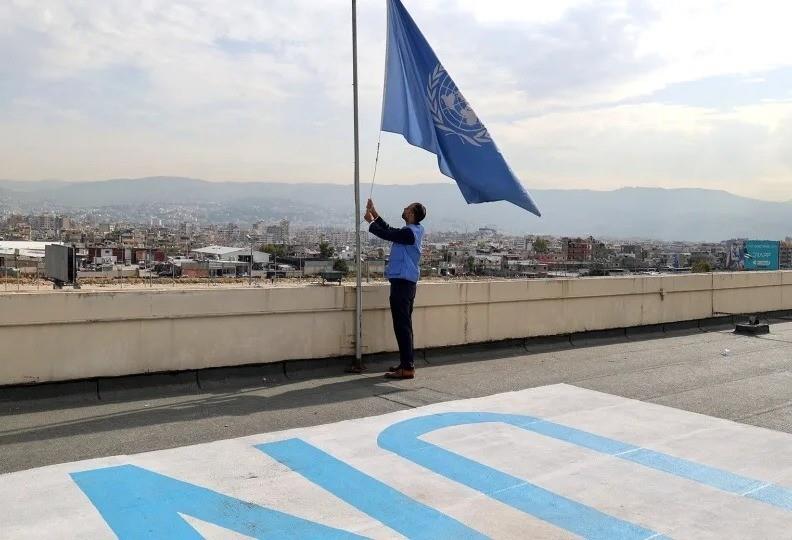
(717, 373)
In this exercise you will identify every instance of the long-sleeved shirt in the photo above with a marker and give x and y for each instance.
(404, 236)
(405, 255)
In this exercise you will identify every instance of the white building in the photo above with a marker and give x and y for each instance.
(26, 256)
(227, 253)
(9, 248)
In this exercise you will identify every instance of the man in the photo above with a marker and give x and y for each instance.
(403, 271)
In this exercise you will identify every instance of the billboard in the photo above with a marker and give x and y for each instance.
(59, 263)
(735, 256)
(762, 254)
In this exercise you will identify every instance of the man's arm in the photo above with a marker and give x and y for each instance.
(382, 230)
(379, 228)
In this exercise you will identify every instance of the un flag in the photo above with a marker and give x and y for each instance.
(422, 103)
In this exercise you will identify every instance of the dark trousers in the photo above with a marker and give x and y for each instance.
(402, 297)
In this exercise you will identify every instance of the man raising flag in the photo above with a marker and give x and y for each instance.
(422, 102)
(403, 271)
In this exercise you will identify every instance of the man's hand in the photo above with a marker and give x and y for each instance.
(371, 210)
(368, 217)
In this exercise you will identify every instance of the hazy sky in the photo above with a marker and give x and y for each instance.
(576, 94)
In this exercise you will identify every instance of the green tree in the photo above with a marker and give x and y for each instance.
(341, 266)
(326, 250)
(701, 267)
(278, 250)
(540, 245)
(596, 270)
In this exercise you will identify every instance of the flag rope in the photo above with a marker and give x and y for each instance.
(374, 174)
(376, 161)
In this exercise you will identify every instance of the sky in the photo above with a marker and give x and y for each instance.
(577, 94)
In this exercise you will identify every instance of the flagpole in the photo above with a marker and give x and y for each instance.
(359, 288)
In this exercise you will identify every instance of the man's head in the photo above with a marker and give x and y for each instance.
(414, 213)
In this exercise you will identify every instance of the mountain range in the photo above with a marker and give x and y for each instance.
(650, 213)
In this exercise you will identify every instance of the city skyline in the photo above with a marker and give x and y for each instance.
(578, 94)
(670, 214)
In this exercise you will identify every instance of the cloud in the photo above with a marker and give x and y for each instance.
(743, 150)
(727, 91)
(577, 93)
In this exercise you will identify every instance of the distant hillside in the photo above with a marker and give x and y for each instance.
(670, 214)
(25, 186)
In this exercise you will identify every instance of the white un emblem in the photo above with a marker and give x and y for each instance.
(451, 112)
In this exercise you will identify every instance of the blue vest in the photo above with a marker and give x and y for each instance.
(404, 261)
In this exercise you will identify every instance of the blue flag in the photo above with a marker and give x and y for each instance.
(422, 103)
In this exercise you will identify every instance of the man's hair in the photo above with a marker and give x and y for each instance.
(419, 210)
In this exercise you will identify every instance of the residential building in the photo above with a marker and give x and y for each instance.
(576, 249)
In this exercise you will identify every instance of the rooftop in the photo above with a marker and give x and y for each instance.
(218, 250)
(677, 430)
(717, 373)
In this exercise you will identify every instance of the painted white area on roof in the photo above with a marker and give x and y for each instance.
(550, 462)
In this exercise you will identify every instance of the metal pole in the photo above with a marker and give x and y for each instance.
(358, 263)
(250, 265)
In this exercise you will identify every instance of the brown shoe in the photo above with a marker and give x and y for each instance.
(401, 373)
(397, 367)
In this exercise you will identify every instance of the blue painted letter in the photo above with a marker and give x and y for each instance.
(402, 439)
(137, 503)
(396, 510)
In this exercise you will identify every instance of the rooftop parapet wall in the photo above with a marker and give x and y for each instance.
(78, 334)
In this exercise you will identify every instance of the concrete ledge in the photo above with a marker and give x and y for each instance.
(74, 335)
(152, 385)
